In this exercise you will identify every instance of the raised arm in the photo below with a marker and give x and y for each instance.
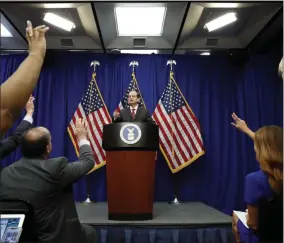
(11, 143)
(242, 126)
(76, 170)
(17, 89)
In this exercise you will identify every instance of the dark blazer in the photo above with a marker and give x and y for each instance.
(142, 115)
(10, 144)
(47, 186)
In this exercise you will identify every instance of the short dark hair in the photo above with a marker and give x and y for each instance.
(34, 148)
(138, 95)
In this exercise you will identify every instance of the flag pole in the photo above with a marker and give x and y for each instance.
(88, 182)
(133, 75)
(175, 201)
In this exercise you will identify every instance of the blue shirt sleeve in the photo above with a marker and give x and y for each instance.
(253, 189)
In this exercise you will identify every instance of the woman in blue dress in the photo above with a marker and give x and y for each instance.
(268, 146)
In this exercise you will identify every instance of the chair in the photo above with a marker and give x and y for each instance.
(270, 220)
(17, 206)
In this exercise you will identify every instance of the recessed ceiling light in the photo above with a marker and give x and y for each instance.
(58, 5)
(139, 51)
(205, 54)
(223, 5)
(5, 32)
(58, 21)
(221, 21)
(140, 21)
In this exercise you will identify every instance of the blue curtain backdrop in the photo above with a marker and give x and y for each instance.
(214, 89)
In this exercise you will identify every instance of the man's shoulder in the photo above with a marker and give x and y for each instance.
(143, 109)
(54, 166)
(58, 161)
(124, 110)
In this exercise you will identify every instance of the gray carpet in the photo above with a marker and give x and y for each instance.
(186, 214)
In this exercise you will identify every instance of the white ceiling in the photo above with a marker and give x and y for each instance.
(96, 27)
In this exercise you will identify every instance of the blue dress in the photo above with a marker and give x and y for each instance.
(256, 187)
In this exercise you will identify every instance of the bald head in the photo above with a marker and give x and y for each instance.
(35, 143)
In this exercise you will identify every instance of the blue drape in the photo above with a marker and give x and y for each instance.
(213, 88)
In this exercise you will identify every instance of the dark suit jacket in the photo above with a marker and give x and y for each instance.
(11, 143)
(142, 115)
(47, 186)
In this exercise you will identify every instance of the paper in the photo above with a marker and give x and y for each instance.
(242, 216)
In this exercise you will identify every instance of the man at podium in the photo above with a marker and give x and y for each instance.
(134, 113)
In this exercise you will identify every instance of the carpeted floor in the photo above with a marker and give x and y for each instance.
(191, 214)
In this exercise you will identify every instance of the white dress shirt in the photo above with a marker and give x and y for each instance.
(83, 142)
(135, 109)
(28, 118)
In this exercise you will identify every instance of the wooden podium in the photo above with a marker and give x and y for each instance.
(130, 169)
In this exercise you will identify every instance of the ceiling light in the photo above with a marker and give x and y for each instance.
(140, 21)
(205, 54)
(139, 51)
(59, 21)
(5, 32)
(58, 5)
(223, 5)
(221, 21)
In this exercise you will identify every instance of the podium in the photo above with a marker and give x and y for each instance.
(130, 169)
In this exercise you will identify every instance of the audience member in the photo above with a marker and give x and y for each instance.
(17, 89)
(11, 143)
(42, 181)
(263, 184)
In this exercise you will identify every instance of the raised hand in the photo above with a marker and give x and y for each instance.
(116, 115)
(81, 129)
(239, 123)
(242, 126)
(36, 39)
(30, 106)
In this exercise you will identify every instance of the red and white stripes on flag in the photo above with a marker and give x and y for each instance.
(179, 131)
(93, 109)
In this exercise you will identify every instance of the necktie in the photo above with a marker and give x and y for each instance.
(133, 114)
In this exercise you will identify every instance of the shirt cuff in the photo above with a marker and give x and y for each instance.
(84, 142)
(29, 119)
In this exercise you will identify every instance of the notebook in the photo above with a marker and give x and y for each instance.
(242, 216)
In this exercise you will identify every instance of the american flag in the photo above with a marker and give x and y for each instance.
(133, 85)
(179, 131)
(93, 109)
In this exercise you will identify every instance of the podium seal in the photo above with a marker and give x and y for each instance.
(130, 133)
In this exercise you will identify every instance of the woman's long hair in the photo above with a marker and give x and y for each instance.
(268, 143)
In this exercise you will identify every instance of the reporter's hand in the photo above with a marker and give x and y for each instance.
(81, 129)
(116, 115)
(30, 106)
(239, 123)
(36, 39)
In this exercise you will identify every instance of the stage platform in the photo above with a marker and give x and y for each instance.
(192, 222)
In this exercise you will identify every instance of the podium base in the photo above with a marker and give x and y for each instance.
(130, 217)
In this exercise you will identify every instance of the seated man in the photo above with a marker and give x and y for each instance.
(134, 113)
(43, 182)
(11, 143)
